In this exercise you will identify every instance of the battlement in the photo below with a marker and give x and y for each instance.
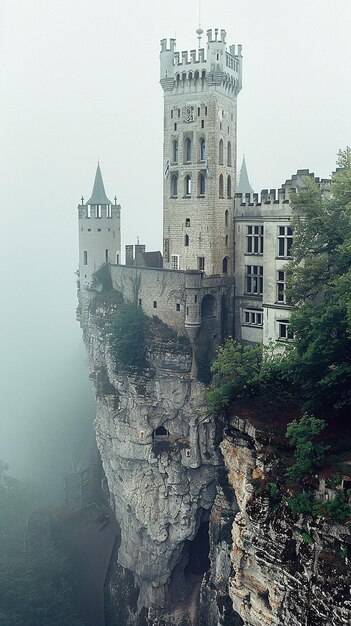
(164, 45)
(185, 57)
(211, 39)
(271, 196)
(297, 180)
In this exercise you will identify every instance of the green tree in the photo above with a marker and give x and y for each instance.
(236, 373)
(126, 332)
(319, 282)
(309, 453)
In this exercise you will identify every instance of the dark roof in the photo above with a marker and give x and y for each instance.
(98, 195)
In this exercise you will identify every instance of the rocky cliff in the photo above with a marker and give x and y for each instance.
(202, 542)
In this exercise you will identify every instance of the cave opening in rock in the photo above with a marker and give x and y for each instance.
(199, 548)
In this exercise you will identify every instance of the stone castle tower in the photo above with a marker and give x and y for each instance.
(200, 135)
(99, 231)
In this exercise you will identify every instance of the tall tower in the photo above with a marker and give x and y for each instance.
(99, 231)
(199, 152)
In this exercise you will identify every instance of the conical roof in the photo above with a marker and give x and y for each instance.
(98, 195)
(244, 183)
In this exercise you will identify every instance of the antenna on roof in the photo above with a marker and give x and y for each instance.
(199, 30)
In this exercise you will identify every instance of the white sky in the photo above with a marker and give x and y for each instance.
(78, 82)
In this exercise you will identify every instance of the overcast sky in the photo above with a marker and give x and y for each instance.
(79, 82)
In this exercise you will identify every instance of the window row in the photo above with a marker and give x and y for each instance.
(255, 245)
(175, 262)
(201, 185)
(175, 113)
(201, 152)
(254, 317)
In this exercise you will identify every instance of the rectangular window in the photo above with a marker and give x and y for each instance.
(254, 279)
(85, 254)
(106, 256)
(117, 258)
(198, 111)
(205, 110)
(284, 332)
(171, 114)
(175, 125)
(253, 317)
(178, 113)
(285, 240)
(254, 240)
(281, 287)
(187, 222)
(178, 307)
(201, 263)
(139, 302)
(202, 123)
(155, 304)
(175, 261)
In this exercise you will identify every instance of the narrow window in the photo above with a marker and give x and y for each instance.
(225, 265)
(202, 149)
(201, 185)
(85, 257)
(178, 113)
(198, 111)
(177, 307)
(106, 256)
(226, 241)
(175, 125)
(187, 310)
(155, 304)
(229, 187)
(195, 299)
(229, 153)
(171, 114)
(139, 302)
(186, 240)
(98, 211)
(187, 150)
(226, 218)
(281, 287)
(175, 151)
(187, 222)
(202, 123)
(220, 186)
(187, 186)
(174, 185)
(205, 110)
(201, 263)
(220, 158)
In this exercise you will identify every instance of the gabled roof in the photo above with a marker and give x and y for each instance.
(244, 183)
(98, 195)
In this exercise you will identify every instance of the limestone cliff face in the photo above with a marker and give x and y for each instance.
(162, 487)
(283, 571)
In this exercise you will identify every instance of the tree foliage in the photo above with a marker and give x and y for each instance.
(309, 453)
(34, 586)
(236, 373)
(126, 332)
(319, 282)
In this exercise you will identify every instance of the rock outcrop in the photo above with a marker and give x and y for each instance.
(284, 570)
(202, 541)
(157, 445)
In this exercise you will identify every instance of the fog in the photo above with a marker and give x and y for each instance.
(79, 82)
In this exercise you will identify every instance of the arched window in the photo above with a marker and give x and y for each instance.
(175, 151)
(220, 158)
(229, 154)
(226, 217)
(187, 185)
(221, 186)
(229, 187)
(202, 149)
(186, 240)
(174, 185)
(225, 265)
(201, 185)
(187, 150)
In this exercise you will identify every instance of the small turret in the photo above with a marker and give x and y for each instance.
(167, 64)
(99, 231)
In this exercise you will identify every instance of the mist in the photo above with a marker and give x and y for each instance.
(79, 82)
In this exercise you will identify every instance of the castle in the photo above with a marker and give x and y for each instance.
(224, 253)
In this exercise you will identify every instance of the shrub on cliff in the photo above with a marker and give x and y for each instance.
(309, 453)
(126, 331)
(236, 373)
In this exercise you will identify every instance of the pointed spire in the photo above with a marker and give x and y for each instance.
(98, 195)
(244, 183)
